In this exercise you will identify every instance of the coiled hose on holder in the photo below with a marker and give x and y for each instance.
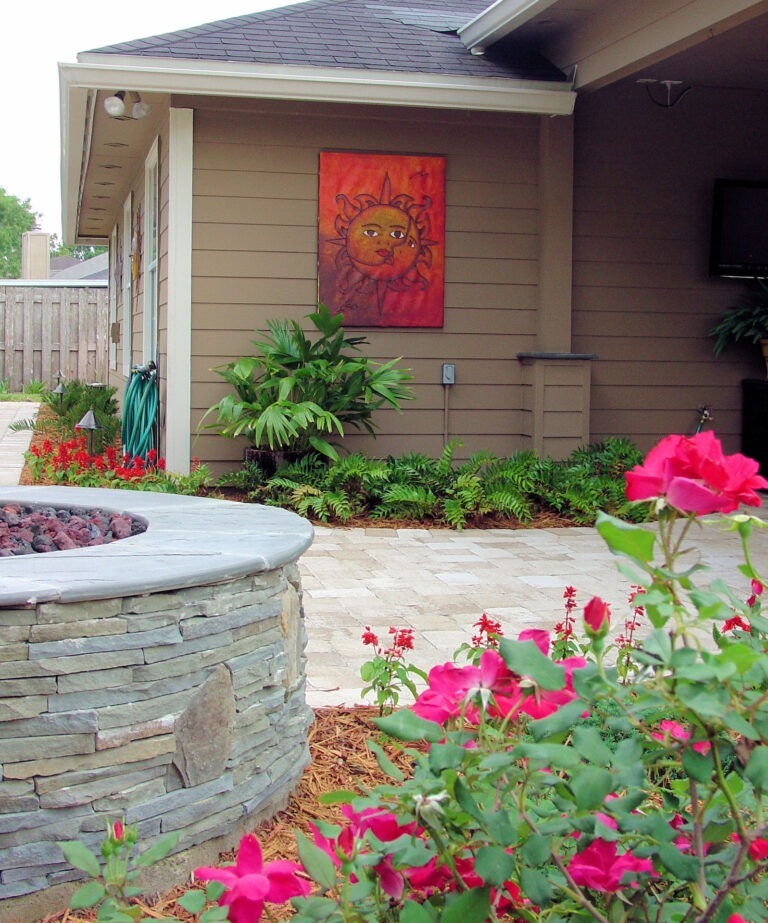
(140, 410)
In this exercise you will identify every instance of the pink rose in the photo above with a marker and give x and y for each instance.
(597, 617)
(600, 868)
(695, 476)
(249, 882)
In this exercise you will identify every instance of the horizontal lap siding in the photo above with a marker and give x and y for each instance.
(255, 259)
(642, 298)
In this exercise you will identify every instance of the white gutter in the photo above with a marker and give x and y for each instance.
(319, 84)
(499, 20)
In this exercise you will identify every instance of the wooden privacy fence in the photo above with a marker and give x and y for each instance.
(49, 328)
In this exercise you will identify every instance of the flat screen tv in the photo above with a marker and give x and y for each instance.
(739, 229)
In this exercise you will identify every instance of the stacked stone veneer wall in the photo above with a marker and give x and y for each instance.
(180, 710)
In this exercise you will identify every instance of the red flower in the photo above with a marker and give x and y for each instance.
(758, 849)
(488, 632)
(695, 476)
(736, 918)
(600, 868)
(597, 617)
(118, 831)
(369, 637)
(736, 621)
(250, 882)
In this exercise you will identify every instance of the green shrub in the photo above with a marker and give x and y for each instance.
(442, 492)
(77, 399)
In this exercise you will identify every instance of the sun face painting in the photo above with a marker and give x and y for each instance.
(381, 247)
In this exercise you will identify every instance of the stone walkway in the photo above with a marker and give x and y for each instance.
(14, 445)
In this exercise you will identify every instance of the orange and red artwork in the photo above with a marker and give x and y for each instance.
(381, 247)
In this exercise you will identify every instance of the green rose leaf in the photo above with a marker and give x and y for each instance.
(385, 763)
(680, 865)
(590, 786)
(315, 908)
(81, 857)
(407, 725)
(158, 851)
(470, 907)
(536, 887)
(415, 912)
(626, 539)
(525, 659)
(697, 766)
(537, 849)
(590, 745)
(494, 865)
(90, 894)
(756, 769)
(319, 866)
(560, 721)
(192, 901)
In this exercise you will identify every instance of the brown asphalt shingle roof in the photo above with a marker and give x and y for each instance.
(417, 36)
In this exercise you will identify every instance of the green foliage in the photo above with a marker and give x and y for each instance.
(77, 399)
(249, 478)
(443, 492)
(300, 394)
(592, 479)
(746, 320)
(78, 251)
(16, 217)
(36, 386)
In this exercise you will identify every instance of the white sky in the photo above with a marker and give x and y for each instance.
(37, 35)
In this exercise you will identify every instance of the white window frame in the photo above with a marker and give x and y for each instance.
(126, 334)
(151, 252)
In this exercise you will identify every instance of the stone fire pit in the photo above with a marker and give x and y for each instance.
(158, 679)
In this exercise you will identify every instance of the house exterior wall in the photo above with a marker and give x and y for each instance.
(254, 241)
(642, 297)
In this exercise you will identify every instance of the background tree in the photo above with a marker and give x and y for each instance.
(16, 217)
(78, 251)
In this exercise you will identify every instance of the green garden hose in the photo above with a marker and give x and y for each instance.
(140, 410)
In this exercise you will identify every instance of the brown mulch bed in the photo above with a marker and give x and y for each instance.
(339, 760)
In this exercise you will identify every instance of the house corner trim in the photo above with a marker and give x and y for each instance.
(179, 307)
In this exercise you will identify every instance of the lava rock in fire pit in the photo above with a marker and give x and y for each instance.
(28, 529)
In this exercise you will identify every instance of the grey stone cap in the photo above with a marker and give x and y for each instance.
(190, 541)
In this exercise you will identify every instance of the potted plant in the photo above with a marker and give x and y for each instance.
(298, 394)
(746, 320)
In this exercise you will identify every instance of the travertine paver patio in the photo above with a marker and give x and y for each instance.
(439, 582)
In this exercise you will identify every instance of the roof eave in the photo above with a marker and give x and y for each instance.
(78, 83)
(499, 20)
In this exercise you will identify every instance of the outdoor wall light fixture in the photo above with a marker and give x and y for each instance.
(115, 106)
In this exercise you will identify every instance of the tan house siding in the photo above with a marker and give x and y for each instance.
(255, 253)
(642, 297)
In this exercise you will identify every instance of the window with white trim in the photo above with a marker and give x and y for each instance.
(151, 233)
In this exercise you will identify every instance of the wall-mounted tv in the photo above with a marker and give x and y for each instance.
(739, 247)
